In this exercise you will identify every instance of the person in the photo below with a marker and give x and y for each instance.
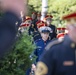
(48, 19)
(25, 25)
(41, 43)
(59, 57)
(36, 34)
(38, 16)
(9, 23)
(33, 26)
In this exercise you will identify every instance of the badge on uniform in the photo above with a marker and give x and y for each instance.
(41, 69)
(68, 63)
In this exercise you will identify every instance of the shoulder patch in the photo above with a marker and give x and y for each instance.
(53, 43)
(42, 69)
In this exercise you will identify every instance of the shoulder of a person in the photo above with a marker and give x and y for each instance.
(53, 25)
(38, 40)
(36, 32)
(49, 40)
(54, 43)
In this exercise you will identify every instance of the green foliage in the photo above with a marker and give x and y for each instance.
(57, 8)
(30, 9)
(17, 61)
(36, 4)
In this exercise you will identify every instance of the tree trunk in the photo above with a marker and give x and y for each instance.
(44, 8)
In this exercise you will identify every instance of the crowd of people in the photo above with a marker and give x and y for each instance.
(59, 57)
(34, 24)
(42, 32)
(54, 56)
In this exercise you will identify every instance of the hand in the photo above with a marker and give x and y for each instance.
(15, 6)
(33, 67)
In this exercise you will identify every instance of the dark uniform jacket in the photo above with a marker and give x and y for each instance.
(8, 28)
(36, 35)
(40, 44)
(53, 32)
(58, 59)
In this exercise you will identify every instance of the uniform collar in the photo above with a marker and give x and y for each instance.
(68, 42)
(46, 40)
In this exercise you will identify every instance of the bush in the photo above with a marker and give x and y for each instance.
(17, 61)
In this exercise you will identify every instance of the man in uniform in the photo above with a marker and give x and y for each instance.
(34, 20)
(48, 19)
(60, 55)
(38, 16)
(42, 42)
(25, 25)
(36, 34)
(10, 23)
(33, 26)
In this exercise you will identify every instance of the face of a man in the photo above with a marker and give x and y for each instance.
(48, 22)
(38, 17)
(72, 31)
(45, 36)
(33, 16)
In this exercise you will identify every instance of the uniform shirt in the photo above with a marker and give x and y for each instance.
(40, 47)
(58, 59)
(8, 28)
(53, 32)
